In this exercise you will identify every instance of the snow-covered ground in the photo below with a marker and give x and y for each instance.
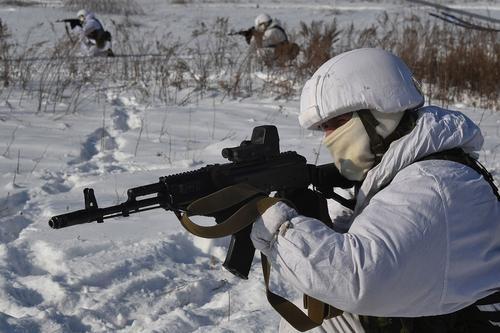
(143, 273)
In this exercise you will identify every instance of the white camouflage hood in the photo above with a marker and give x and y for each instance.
(436, 130)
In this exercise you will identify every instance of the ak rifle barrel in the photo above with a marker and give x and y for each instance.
(132, 205)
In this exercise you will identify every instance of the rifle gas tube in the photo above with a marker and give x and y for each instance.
(257, 162)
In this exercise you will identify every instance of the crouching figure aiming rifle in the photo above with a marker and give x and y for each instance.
(235, 194)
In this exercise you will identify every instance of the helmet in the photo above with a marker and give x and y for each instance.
(81, 13)
(367, 78)
(262, 18)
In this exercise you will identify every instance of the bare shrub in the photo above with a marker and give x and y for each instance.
(18, 3)
(318, 40)
(450, 60)
(453, 63)
(123, 7)
(5, 48)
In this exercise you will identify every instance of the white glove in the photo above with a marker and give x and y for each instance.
(276, 219)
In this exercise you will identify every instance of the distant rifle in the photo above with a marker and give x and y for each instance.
(245, 33)
(72, 22)
(257, 162)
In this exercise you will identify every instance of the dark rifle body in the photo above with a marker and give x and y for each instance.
(72, 22)
(248, 33)
(253, 164)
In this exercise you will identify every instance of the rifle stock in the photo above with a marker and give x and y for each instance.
(257, 162)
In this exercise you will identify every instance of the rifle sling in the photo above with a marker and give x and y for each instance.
(224, 199)
(317, 311)
(256, 204)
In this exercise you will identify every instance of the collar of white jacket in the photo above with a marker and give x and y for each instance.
(436, 130)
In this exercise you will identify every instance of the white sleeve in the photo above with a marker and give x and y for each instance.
(391, 263)
(273, 37)
(90, 26)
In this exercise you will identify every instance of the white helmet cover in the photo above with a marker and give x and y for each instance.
(81, 12)
(367, 78)
(262, 18)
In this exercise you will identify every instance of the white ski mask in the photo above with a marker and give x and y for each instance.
(349, 144)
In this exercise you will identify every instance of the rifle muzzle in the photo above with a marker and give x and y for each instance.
(74, 218)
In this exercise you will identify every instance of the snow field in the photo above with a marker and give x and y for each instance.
(143, 273)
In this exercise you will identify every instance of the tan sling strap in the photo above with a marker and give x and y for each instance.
(256, 204)
(317, 311)
(224, 199)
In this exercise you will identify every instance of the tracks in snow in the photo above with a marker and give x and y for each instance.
(83, 285)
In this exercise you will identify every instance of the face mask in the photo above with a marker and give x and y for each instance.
(262, 27)
(350, 147)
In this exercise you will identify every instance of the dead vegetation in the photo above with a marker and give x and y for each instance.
(318, 39)
(123, 7)
(454, 64)
(5, 52)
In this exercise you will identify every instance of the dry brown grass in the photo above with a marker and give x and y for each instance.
(123, 7)
(5, 48)
(453, 64)
(451, 61)
(317, 40)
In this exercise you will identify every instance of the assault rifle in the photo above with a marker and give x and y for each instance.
(257, 162)
(72, 22)
(245, 33)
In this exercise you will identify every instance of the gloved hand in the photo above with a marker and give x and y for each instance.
(276, 219)
(308, 203)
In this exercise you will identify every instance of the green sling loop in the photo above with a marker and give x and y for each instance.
(257, 202)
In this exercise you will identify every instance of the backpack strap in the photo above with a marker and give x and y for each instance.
(284, 33)
(282, 30)
(491, 299)
(459, 156)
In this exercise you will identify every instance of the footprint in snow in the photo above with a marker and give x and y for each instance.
(99, 140)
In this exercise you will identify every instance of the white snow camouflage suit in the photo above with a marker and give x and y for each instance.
(89, 46)
(424, 239)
